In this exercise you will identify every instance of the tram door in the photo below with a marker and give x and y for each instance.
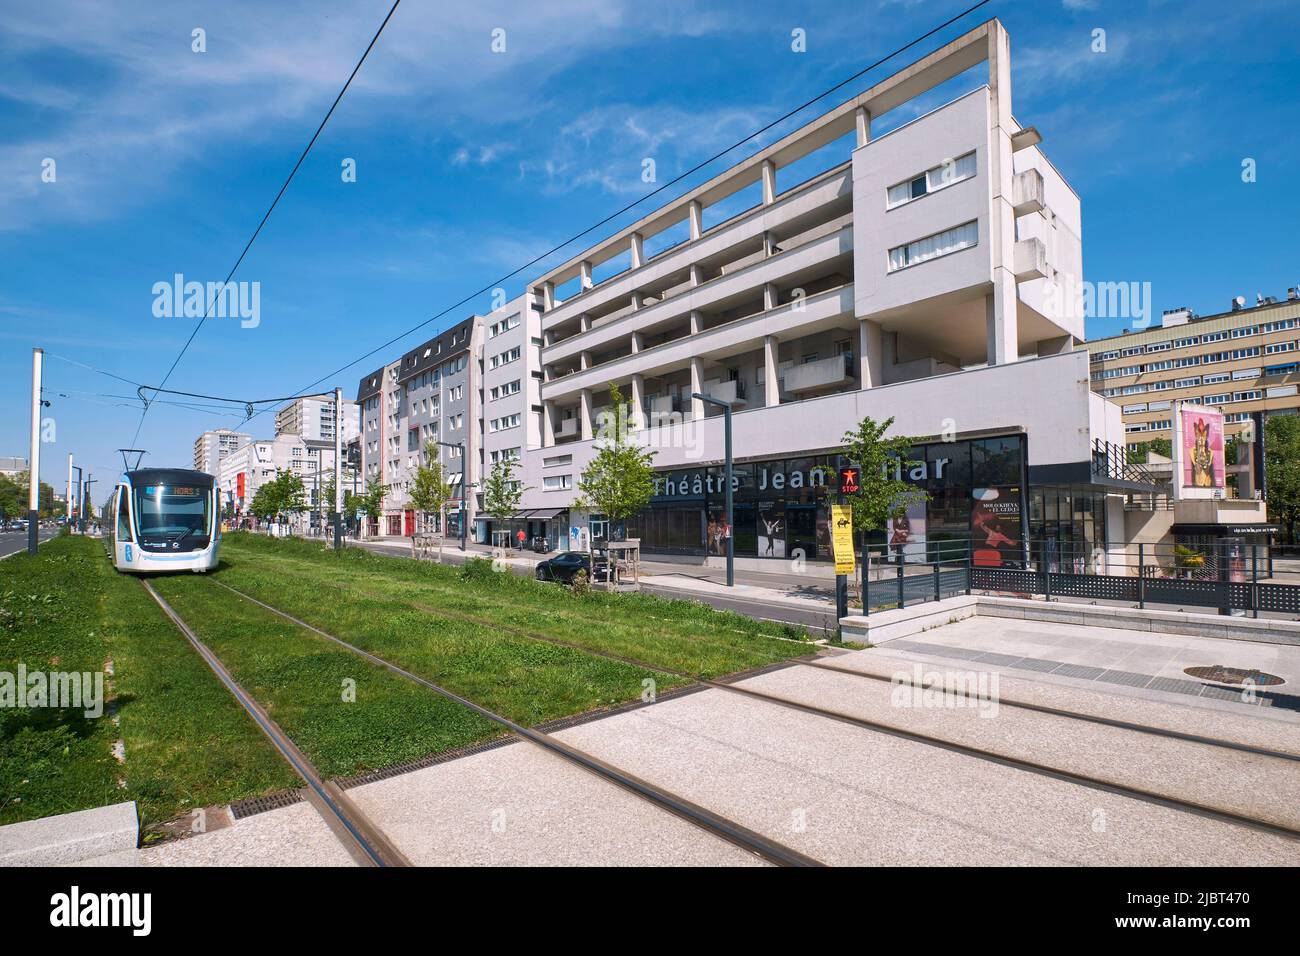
(124, 546)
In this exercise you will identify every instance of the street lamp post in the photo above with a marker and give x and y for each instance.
(463, 476)
(85, 504)
(78, 510)
(726, 428)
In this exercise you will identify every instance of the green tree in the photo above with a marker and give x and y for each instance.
(502, 492)
(351, 502)
(13, 497)
(280, 498)
(619, 481)
(1161, 446)
(373, 499)
(1282, 470)
(881, 496)
(430, 490)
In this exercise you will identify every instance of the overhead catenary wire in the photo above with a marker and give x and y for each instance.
(307, 390)
(256, 232)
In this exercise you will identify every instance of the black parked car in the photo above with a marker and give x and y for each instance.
(564, 566)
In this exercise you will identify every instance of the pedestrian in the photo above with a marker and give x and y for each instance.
(520, 538)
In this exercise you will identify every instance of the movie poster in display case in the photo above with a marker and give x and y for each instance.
(996, 527)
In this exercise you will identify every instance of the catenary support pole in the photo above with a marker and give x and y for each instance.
(34, 482)
(338, 469)
(731, 537)
(730, 531)
(68, 516)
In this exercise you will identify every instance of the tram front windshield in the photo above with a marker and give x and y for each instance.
(172, 513)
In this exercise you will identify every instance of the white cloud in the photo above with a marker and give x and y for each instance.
(141, 105)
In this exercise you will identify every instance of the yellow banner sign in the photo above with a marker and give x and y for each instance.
(842, 538)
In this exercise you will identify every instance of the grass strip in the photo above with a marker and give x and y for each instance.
(348, 716)
(187, 743)
(526, 680)
(679, 635)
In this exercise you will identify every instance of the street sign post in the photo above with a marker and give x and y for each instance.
(850, 483)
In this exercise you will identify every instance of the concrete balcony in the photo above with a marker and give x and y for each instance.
(810, 377)
(566, 429)
(790, 320)
(1031, 260)
(715, 295)
(1027, 192)
(831, 185)
(663, 405)
(910, 371)
(1064, 420)
(731, 391)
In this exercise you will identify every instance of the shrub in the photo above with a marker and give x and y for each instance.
(581, 585)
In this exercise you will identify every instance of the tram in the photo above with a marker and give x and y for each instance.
(162, 519)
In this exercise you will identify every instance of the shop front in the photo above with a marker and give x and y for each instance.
(977, 501)
(544, 529)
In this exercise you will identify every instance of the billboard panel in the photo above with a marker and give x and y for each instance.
(1202, 438)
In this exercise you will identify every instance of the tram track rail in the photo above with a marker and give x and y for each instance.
(1116, 723)
(1143, 794)
(362, 838)
(360, 828)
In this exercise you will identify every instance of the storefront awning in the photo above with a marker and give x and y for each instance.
(545, 514)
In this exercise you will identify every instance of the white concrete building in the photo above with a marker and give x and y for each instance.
(919, 270)
(913, 272)
(256, 462)
(312, 417)
(212, 447)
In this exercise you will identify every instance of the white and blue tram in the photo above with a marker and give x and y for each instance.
(162, 519)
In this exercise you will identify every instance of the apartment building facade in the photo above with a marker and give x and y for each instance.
(11, 467)
(912, 272)
(313, 417)
(431, 395)
(1244, 361)
(917, 270)
(212, 448)
(256, 462)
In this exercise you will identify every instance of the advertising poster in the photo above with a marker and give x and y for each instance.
(906, 533)
(842, 538)
(771, 529)
(995, 527)
(1203, 463)
(716, 532)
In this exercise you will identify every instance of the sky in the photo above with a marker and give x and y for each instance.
(470, 161)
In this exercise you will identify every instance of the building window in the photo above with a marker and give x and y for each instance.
(932, 247)
(932, 180)
(505, 358)
(557, 482)
(502, 391)
(505, 325)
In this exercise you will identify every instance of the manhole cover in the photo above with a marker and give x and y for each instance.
(1233, 675)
